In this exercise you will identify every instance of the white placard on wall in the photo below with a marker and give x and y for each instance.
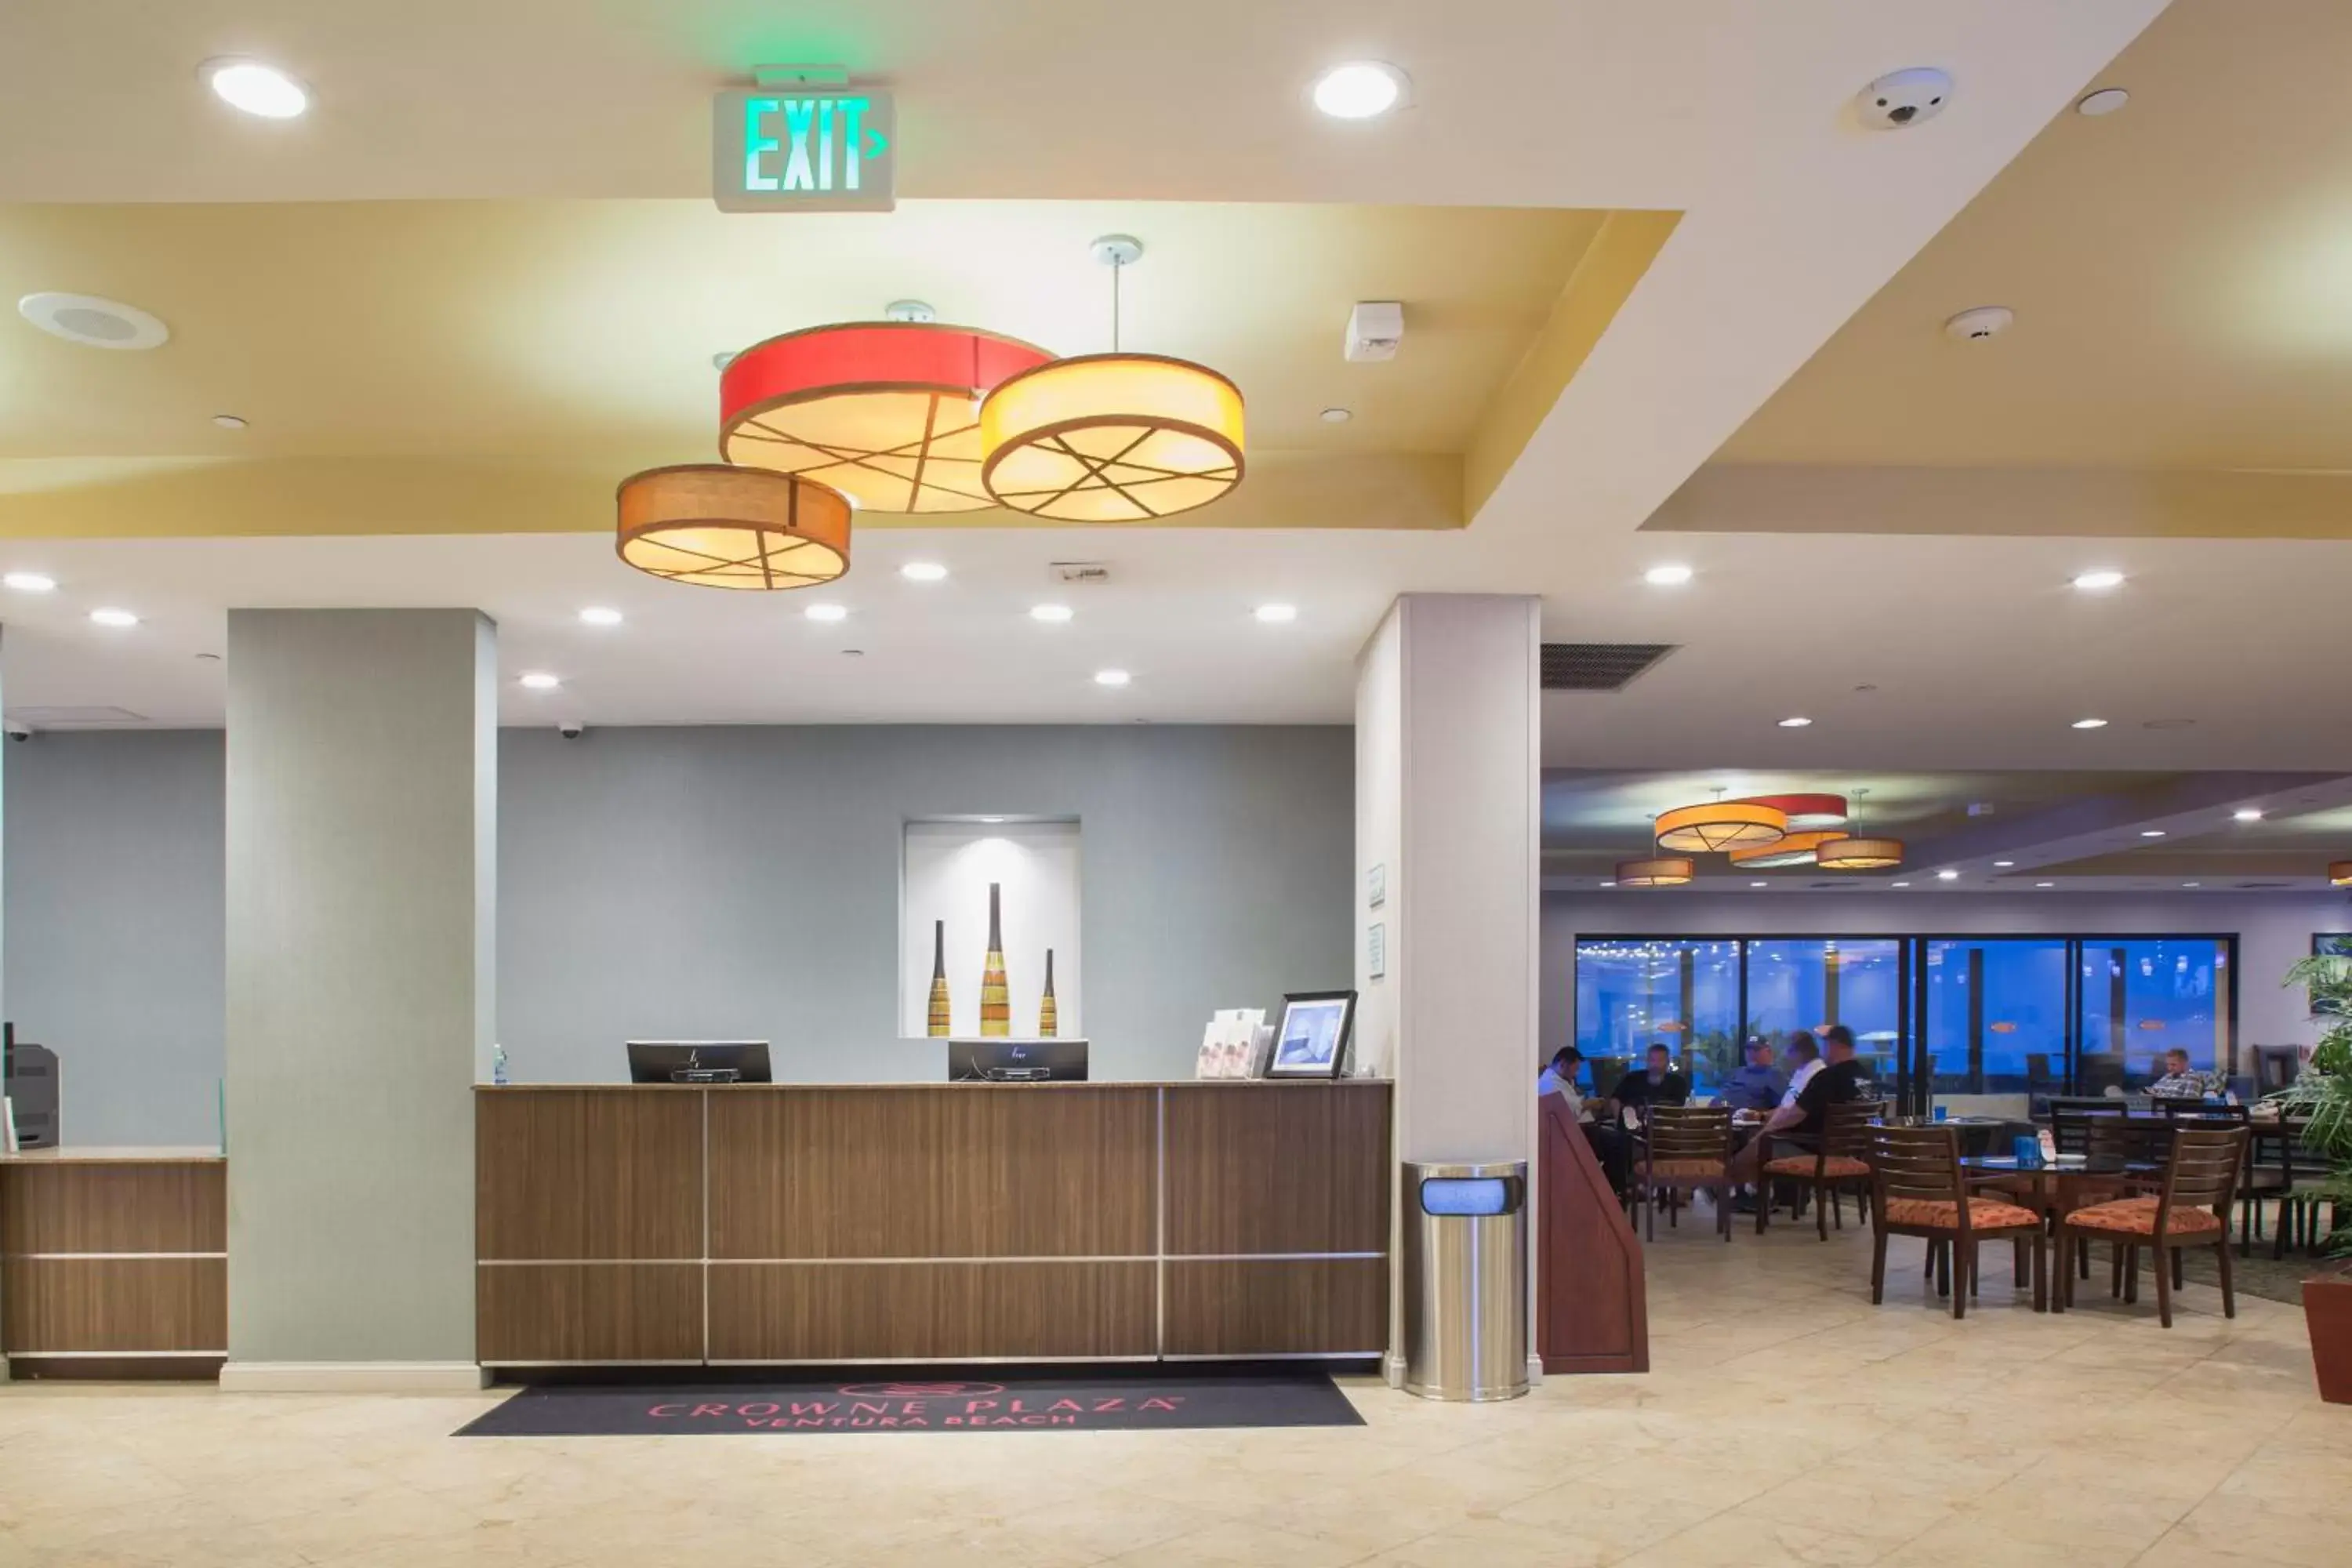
(948, 869)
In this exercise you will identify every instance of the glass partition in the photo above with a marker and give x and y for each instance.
(2142, 996)
(1995, 1018)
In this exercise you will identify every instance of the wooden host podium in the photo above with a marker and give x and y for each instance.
(1592, 1309)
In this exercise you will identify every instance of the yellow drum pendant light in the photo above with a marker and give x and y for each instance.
(1725, 824)
(1794, 850)
(1662, 872)
(1858, 853)
(2339, 874)
(1115, 438)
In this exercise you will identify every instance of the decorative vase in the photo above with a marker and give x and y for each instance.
(2327, 1314)
(939, 1027)
(1049, 1016)
(995, 998)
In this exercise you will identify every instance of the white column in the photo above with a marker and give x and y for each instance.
(1448, 803)
(361, 793)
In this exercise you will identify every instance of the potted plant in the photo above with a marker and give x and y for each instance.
(2322, 1092)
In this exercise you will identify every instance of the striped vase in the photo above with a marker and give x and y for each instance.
(995, 998)
(939, 1022)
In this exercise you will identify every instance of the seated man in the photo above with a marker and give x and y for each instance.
(1838, 1082)
(1558, 1077)
(2181, 1081)
(1657, 1084)
(1757, 1084)
(1808, 1059)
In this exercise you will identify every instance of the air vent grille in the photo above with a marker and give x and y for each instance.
(1598, 665)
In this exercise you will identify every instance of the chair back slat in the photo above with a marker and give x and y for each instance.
(1689, 1133)
(2203, 1170)
(1916, 1163)
(1845, 1129)
(2142, 1142)
(2070, 1121)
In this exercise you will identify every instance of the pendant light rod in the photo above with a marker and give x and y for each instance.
(1118, 252)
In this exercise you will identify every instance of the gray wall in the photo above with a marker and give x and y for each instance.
(113, 905)
(743, 883)
(698, 882)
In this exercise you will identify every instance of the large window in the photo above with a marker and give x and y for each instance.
(1996, 1014)
(2142, 996)
(1812, 983)
(1634, 992)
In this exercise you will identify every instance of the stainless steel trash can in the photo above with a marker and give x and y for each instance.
(1465, 1280)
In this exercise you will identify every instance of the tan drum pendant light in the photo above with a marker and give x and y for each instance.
(1662, 872)
(1725, 824)
(720, 527)
(2339, 874)
(1794, 850)
(1115, 438)
(1858, 853)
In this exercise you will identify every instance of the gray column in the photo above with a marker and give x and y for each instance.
(361, 790)
(1448, 805)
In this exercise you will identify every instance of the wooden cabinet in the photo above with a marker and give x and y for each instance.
(113, 1264)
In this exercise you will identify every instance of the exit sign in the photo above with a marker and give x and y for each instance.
(792, 150)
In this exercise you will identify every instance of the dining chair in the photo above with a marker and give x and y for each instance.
(2191, 1209)
(1684, 1148)
(1917, 1189)
(1841, 1160)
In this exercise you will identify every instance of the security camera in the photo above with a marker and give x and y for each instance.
(20, 731)
(572, 728)
(1904, 98)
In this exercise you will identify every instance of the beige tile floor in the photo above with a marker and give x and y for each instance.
(1788, 1421)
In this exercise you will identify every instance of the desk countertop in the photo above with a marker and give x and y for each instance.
(947, 1083)
(106, 1154)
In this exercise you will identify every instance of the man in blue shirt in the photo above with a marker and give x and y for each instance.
(1756, 1085)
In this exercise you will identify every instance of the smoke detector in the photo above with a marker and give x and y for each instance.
(88, 320)
(1375, 327)
(1903, 99)
(1975, 326)
(909, 311)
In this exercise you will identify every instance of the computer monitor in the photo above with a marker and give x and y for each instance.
(698, 1061)
(1017, 1061)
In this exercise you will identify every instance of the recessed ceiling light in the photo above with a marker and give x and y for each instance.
(2106, 100)
(2098, 581)
(1276, 615)
(2090, 723)
(2151, 833)
(1052, 614)
(992, 819)
(539, 680)
(228, 421)
(827, 612)
(2045, 884)
(109, 617)
(30, 581)
(1336, 415)
(1795, 722)
(256, 88)
(2243, 813)
(600, 615)
(1672, 575)
(94, 323)
(1759, 884)
(922, 572)
(1899, 884)
(2191, 884)
(1360, 90)
(1948, 875)
(1112, 678)
(2004, 863)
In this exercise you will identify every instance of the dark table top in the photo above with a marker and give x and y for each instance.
(2066, 1165)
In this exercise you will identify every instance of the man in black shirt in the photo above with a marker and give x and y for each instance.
(1657, 1084)
(1839, 1082)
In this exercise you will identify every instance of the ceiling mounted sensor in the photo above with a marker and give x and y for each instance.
(2105, 102)
(1722, 825)
(1974, 326)
(909, 311)
(98, 323)
(1795, 849)
(1903, 99)
(1661, 872)
(881, 411)
(720, 527)
(1375, 331)
(1111, 437)
(1360, 90)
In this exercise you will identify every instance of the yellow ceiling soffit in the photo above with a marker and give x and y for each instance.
(1605, 279)
(2088, 503)
(146, 498)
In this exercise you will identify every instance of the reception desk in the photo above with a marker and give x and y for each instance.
(750, 1223)
(114, 1262)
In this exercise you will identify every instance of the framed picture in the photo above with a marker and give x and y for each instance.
(1313, 1039)
(2323, 944)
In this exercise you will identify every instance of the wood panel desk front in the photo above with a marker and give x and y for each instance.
(932, 1222)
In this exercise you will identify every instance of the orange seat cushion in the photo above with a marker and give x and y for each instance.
(1803, 1165)
(1685, 1167)
(2136, 1216)
(1984, 1214)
